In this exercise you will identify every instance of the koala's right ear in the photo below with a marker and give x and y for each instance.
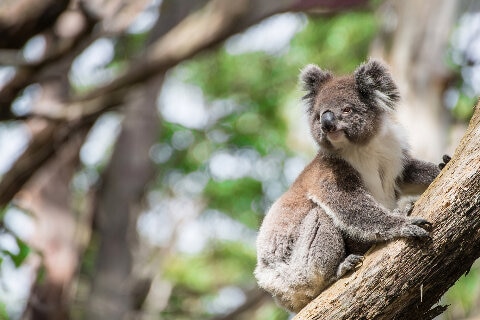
(312, 78)
(375, 83)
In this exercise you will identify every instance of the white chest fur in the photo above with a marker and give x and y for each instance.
(380, 162)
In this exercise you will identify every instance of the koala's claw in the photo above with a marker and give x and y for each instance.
(422, 223)
(351, 262)
(445, 159)
(417, 228)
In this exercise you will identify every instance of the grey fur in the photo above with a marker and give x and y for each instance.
(345, 199)
(312, 78)
(375, 84)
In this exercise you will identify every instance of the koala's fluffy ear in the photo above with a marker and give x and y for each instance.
(375, 84)
(312, 78)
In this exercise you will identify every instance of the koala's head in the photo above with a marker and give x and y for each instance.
(348, 109)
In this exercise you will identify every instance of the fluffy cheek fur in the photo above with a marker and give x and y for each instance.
(361, 128)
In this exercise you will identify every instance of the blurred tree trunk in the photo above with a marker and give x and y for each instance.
(413, 40)
(117, 291)
(47, 197)
(119, 202)
(406, 279)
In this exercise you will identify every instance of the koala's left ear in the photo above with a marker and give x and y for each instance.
(375, 83)
(312, 79)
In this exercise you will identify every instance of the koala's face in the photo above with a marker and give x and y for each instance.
(339, 116)
(348, 110)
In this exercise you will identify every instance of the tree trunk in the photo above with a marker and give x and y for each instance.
(47, 197)
(404, 279)
(119, 203)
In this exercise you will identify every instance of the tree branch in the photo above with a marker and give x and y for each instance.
(173, 47)
(62, 53)
(404, 279)
(22, 19)
(218, 20)
(42, 147)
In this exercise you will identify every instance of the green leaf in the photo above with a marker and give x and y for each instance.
(19, 257)
(3, 312)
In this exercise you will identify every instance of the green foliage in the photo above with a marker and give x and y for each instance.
(127, 46)
(236, 197)
(223, 263)
(3, 312)
(464, 107)
(339, 43)
(13, 251)
(19, 256)
(203, 275)
(463, 296)
(270, 311)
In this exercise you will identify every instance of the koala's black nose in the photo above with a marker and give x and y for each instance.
(328, 121)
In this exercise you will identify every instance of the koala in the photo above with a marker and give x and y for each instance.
(345, 200)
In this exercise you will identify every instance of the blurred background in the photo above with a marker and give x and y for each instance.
(142, 142)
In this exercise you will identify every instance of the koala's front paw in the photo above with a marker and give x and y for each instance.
(417, 228)
(351, 262)
(421, 222)
(445, 159)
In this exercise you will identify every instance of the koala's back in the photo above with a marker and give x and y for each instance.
(298, 246)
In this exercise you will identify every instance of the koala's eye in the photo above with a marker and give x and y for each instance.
(317, 117)
(347, 110)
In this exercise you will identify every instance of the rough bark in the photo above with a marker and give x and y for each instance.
(405, 279)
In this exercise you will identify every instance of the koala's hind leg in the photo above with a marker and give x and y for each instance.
(316, 256)
(320, 248)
